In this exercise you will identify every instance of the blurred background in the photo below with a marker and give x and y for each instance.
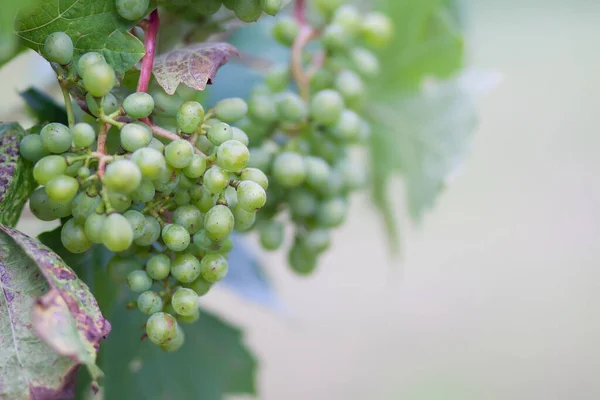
(496, 292)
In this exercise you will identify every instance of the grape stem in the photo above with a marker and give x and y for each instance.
(68, 104)
(101, 149)
(151, 30)
(164, 133)
(306, 34)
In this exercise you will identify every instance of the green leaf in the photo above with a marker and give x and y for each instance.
(195, 65)
(94, 25)
(16, 175)
(44, 107)
(50, 323)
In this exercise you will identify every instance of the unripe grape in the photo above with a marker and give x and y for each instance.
(348, 17)
(119, 201)
(216, 179)
(262, 108)
(150, 302)
(203, 242)
(151, 232)
(185, 268)
(336, 38)
(291, 108)
(219, 133)
(377, 29)
(354, 175)
(317, 172)
(285, 30)
(206, 200)
(321, 79)
(179, 153)
(145, 192)
(231, 110)
(176, 342)
(158, 267)
(46, 209)
(247, 10)
(317, 241)
(272, 234)
(185, 301)
(56, 138)
(132, 9)
(271, 7)
(139, 281)
(117, 234)
(196, 168)
(219, 222)
(255, 175)
(332, 213)
(365, 62)
(213, 267)
(110, 104)
(58, 48)
(94, 225)
(350, 86)
(135, 136)
(161, 328)
(99, 79)
(83, 134)
(73, 237)
(123, 176)
(348, 127)
(84, 205)
(157, 145)
(200, 286)
(31, 148)
(244, 220)
(289, 169)
(138, 105)
(278, 78)
(87, 60)
(189, 319)
(48, 168)
(259, 159)
(251, 196)
(190, 116)
(303, 203)
(232, 156)
(240, 136)
(301, 261)
(189, 217)
(150, 162)
(137, 221)
(166, 105)
(62, 188)
(119, 268)
(326, 107)
(182, 197)
(176, 237)
(328, 6)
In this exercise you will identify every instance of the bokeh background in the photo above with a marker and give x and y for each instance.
(496, 292)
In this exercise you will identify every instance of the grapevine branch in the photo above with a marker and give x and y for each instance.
(102, 149)
(306, 34)
(151, 29)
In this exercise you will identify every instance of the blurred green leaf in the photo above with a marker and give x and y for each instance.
(44, 108)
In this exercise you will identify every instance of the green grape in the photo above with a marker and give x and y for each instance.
(48, 168)
(336, 38)
(348, 126)
(365, 62)
(139, 281)
(185, 183)
(317, 172)
(185, 301)
(135, 136)
(185, 268)
(176, 342)
(190, 116)
(99, 79)
(278, 78)
(377, 29)
(240, 136)
(207, 7)
(122, 176)
(230, 197)
(169, 186)
(56, 138)
(83, 173)
(219, 222)
(285, 31)
(204, 145)
(167, 174)
(219, 133)
(158, 267)
(332, 212)
(254, 131)
(137, 221)
(182, 198)
(151, 232)
(119, 201)
(230, 4)
(117, 234)
(94, 225)
(259, 159)
(73, 237)
(271, 7)
(87, 60)
(328, 6)
(213, 267)
(303, 203)
(132, 9)
(316, 241)
(189, 319)
(46, 209)
(110, 104)
(326, 107)
(244, 220)
(247, 10)
(289, 169)
(83, 135)
(262, 108)
(216, 179)
(165, 104)
(348, 16)
(353, 174)
(206, 200)
(176, 237)
(150, 162)
(84, 205)
(231, 110)
(196, 167)
(32, 149)
(291, 108)
(232, 156)
(350, 86)
(58, 48)
(205, 243)
(145, 192)
(302, 261)
(251, 196)
(189, 217)
(200, 286)
(179, 153)
(119, 268)
(255, 175)
(138, 105)
(150, 302)
(271, 235)
(157, 145)
(161, 328)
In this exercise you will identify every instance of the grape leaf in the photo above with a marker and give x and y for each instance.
(16, 175)
(50, 324)
(93, 25)
(195, 65)
(44, 107)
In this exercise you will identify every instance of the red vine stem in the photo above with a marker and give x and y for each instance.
(150, 45)
(102, 149)
(299, 13)
(306, 34)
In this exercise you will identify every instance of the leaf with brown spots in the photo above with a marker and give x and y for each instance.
(195, 65)
(50, 322)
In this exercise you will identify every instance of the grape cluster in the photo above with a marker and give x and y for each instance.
(244, 10)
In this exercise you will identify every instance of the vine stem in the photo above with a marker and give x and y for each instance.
(164, 133)
(150, 45)
(299, 12)
(102, 149)
(306, 34)
(68, 103)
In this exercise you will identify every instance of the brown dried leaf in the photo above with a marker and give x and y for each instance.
(195, 65)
